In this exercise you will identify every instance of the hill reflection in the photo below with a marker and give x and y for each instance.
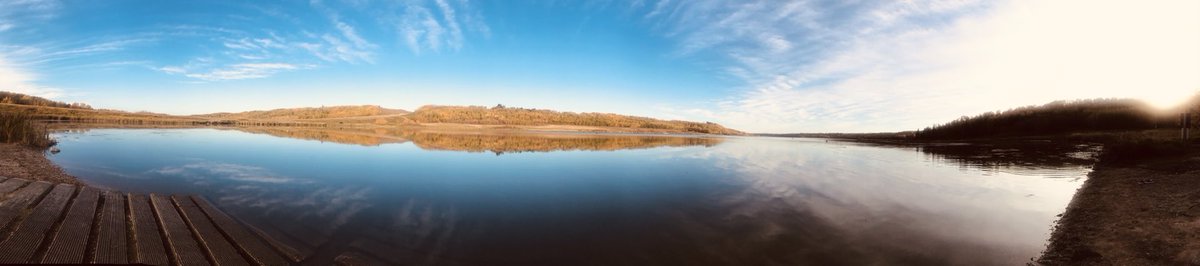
(479, 141)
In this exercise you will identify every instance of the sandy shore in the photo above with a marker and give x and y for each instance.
(22, 162)
(1142, 213)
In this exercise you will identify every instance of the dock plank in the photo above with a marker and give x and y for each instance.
(10, 185)
(255, 248)
(18, 201)
(181, 246)
(69, 245)
(46, 223)
(148, 241)
(29, 235)
(352, 258)
(291, 248)
(111, 237)
(219, 250)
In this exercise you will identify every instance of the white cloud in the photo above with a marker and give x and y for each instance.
(172, 70)
(420, 28)
(39, 57)
(347, 46)
(904, 65)
(232, 72)
(234, 172)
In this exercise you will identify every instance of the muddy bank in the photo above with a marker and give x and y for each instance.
(1145, 212)
(21, 162)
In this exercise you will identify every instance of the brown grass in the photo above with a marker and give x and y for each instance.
(21, 129)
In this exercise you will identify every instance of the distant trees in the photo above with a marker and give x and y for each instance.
(501, 115)
(22, 99)
(1053, 118)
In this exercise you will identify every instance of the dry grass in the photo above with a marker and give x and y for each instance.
(20, 128)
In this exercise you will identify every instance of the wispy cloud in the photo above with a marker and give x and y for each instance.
(230, 171)
(233, 72)
(15, 78)
(421, 28)
(884, 66)
(26, 11)
(346, 47)
(16, 73)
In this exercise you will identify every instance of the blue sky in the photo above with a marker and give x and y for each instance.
(762, 66)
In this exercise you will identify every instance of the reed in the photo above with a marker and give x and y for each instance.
(20, 128)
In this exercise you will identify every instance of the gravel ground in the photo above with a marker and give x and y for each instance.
(1144, 213)
(21, 162)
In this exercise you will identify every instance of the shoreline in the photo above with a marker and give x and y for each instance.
(1135, 210)
(30, 164)
(1144, 212)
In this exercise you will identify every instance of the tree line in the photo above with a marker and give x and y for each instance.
(1057, 118)
(23, 99)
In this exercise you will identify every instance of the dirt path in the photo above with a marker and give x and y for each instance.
(1146, 213)
(20, 162)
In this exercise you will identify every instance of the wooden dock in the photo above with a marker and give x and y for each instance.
(66, 224)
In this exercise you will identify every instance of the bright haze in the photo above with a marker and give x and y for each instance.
(759, 66)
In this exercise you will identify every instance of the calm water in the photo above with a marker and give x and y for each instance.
(572, 199)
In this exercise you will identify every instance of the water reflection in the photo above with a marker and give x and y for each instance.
(1022, 157)
(484, 141)
(747, 201)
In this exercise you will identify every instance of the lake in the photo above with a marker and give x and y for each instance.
(585, 199)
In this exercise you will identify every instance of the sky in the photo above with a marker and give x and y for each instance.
(768, 66)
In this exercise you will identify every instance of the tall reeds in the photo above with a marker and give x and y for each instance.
(21, 129)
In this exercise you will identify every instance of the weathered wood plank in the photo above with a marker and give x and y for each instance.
(111, 237)
(181, 246)
(291, 248)
(10, 185)
(29, 235)
(16, 203)
(219, 250)
(352, 258)
(69, 245)
(148, 241)
(255, 248)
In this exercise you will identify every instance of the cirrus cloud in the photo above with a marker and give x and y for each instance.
(815, 66)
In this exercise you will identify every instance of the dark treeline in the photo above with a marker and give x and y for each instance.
(22, 99)
(1056, 118)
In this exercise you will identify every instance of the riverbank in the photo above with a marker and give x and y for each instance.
(22, 162)
(1136, 212)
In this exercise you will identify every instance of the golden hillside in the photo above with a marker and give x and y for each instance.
(500, 115)
(369, 116)
(308, 113)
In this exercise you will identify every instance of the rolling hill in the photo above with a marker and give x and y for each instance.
(369, 116)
